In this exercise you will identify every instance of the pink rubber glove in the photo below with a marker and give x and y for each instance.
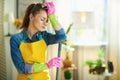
(51, 8)
(54, 62)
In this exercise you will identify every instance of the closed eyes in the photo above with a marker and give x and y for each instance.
(44, 19)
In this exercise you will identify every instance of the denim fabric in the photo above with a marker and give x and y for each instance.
(16, 39)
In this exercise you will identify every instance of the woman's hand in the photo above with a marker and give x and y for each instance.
(51, 14)
(55, 62)
(51, 8)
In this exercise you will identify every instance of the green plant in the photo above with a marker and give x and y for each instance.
(98, 63)
(90, 63)
(96, 66)
(67, 32)
(68, 74)
(69, 28)
(67, 63)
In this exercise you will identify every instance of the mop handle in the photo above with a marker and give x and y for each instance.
(59, 54)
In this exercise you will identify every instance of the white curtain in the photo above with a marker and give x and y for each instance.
(2, 53)
(114, 37)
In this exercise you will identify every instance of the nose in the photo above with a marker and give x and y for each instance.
(45, 23)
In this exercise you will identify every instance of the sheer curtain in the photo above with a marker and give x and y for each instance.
(2, 53)
(114, 37)
(119, 38)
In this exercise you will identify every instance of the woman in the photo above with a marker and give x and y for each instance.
(28, 48)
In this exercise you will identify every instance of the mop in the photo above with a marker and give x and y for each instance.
(59, 54)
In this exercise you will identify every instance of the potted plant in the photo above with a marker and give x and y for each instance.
(96, 66)
(68, 66)
(68, 74)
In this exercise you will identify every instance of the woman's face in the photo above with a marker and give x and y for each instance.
(39, 21)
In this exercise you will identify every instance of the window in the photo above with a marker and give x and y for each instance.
(89, 18)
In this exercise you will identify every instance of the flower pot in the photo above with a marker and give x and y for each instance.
(68, 79)
(97, 70)
(67, 74)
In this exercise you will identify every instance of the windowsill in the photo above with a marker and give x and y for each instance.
(107, 73)
(99, 43)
